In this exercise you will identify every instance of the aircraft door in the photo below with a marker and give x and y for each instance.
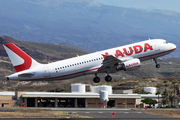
(46, 72)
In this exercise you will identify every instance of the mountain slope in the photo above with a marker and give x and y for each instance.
(85, 23)
(41, 51)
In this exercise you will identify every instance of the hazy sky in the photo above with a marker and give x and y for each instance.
(173, 5)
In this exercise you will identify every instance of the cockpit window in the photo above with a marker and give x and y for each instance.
(165, 42)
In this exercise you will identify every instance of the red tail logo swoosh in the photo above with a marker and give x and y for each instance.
(27, 59)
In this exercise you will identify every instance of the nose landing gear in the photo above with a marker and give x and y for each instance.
(157, 65)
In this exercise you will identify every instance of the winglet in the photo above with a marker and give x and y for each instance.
(106, 54)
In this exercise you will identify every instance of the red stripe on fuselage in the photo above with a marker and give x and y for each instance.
(27, 59)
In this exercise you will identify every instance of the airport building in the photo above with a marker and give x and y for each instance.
(7, 99)
(98, 97)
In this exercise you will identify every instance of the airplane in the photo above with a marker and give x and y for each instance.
(128, 57)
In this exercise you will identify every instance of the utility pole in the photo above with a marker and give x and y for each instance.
(174, 83)
(4, 83)
(165, 82)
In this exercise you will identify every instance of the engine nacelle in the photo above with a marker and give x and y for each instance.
(129, 65)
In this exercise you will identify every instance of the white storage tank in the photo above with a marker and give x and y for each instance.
(150, 89)
(78, 87)
(104, 95)
(97, 89)
(94, 89)
(106, 88)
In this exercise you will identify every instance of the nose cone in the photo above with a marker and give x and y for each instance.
(173, 46)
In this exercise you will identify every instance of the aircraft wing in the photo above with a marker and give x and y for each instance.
(110, 62)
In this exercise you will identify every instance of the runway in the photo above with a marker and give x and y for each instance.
(101, 114)
(119, 114)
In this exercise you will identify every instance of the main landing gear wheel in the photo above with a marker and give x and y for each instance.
(108, 78)
(158, 66)
(96, 79)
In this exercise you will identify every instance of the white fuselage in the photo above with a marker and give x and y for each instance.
(90, 63)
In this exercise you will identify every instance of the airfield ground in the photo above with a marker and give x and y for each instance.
(48, 113)
(36, 113)
(171, 113)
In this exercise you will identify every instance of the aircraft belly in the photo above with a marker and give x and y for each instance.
(73, 75)
(91, 72)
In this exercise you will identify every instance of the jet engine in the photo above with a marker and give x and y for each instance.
(129, 65)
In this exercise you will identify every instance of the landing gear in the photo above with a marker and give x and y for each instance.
(108, 78)
(157, 65)
(96, 79)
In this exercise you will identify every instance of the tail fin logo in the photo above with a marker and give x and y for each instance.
(20, 60)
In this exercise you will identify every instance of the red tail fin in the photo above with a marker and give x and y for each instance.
(20, 60)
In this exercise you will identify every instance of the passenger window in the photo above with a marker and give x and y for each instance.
(55, 69)
(77, 63)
